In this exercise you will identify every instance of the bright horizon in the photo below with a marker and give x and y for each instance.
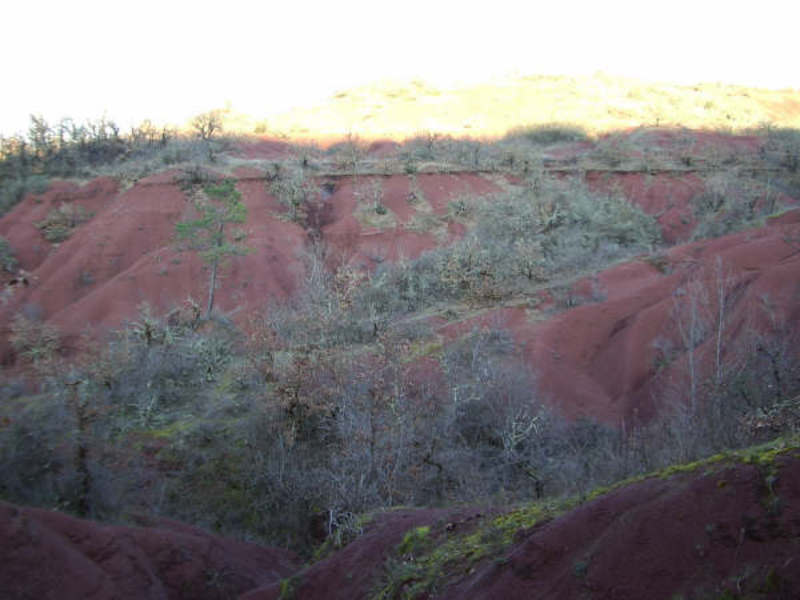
(167, 61)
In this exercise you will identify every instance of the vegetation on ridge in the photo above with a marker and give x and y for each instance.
(448, 556)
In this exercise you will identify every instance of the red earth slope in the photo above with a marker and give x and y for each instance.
(724, 526)
(734, 528)
(50, 556)
(125, 254)
(619, 345)
(611, 346)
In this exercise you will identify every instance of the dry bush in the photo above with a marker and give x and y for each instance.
(208, 124)
(34, 341)
(8, 261)
(549, 134)
(60, 221)
(299, 193)
(546, 231)
(348, 154)
(303, 423)
(730, 202)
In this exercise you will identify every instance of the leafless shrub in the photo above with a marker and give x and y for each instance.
(297, 192)
(349, 153)
(732, 201)
(207, 124)
(552, 133)
(8, 261)
(60, 221)
(34, 341)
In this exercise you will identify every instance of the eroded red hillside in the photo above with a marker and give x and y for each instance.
(49, 555)
(731, 530)
(602, 347)
(125, 253)
(722, 527)
(725, 526)
(612, 346)
(606, 357)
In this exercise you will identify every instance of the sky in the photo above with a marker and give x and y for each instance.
(168, 60)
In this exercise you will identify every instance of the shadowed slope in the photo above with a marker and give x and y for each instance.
(48, 555)
(718, 526)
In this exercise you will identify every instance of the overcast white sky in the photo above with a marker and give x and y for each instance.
(170, 59)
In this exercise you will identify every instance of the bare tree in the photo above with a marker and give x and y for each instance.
(297, 192)
(690, 305)
(207, 124)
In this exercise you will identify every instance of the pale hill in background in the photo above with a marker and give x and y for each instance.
(598, 104)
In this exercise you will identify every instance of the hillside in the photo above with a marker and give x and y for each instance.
(434, 358)
(50, 555)
(724, 527)
(599, 355)
(721, 528)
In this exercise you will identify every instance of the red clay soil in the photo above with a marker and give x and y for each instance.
(734, 527)
(51, 556)
(732, 144)
(604, 360)
(694, 143)
(19, 225)
(367, 247)
(125, 255)
(693, 536)
(439, 189)
(396, 196)
(729, 528)
(264, 148)
(353, 571)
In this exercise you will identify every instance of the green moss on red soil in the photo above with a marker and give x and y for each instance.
(451, 556)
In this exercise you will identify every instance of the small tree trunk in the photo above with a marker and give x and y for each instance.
(720, 322)
(211, 287)
(81, 458)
